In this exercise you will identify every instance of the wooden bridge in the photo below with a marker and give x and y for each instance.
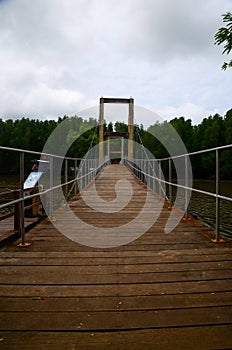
(160, 291)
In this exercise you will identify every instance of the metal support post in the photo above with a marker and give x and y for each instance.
(81, 178)
(51, 189)
(66, 179)
(85, 172)
(21, 207)
(170, 180)
(186, 184)
(153, 176)
(75, 176)
(217, 199)
(21, 204)
(142, 170)
(88, 170)
(160, 184)
(149, 173)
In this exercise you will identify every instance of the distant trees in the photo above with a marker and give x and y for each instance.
(78, 135)
(31, 134)
(224, 35)
(211, 132)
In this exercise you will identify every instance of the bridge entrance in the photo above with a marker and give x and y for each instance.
(130, 102)
(113, 149)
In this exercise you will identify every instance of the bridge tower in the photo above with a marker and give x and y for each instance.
(130, 102)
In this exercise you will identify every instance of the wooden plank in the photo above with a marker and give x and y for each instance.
(7, 225)
(119, 320)
(114, 268)
(133, 289)
(208, 337)
(111, 259)
(141, 302)
(161, 291)
(72, 275)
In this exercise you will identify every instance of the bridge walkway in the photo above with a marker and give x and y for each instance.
(160, 291)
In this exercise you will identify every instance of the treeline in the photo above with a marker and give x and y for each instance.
(82, 134)
(213, 131)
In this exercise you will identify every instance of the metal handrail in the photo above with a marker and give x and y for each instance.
(139, 172)
(85, 178)
(35, 152)
(219, 148)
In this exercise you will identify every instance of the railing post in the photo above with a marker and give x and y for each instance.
(17, 212)
(51, 189)
(217, 199)
(81, 178)
(152, 174)
(170, 180)
(186, 184)
(93, 169)
(148, 174)
(140, 169)
(75, 176)
(159, 169)
(143, 168)
(66, 178)
(85, 170)
(21, 204)
(89, 175)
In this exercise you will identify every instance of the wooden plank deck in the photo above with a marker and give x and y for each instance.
(161, 291)
(7, 227)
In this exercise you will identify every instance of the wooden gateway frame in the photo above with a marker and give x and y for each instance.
(130, 102)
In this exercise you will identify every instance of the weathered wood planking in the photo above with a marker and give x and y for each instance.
(7, 226)
(161, 291)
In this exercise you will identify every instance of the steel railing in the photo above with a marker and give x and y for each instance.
(149, 171)
(85, 170)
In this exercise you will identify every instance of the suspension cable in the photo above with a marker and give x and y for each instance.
(149, 162)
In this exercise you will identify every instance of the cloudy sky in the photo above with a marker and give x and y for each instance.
(58, 57)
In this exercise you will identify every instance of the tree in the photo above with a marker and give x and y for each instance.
(224, 35)
(120, 127)
(185, 130)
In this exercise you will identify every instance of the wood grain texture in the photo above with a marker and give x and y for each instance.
(161, 291)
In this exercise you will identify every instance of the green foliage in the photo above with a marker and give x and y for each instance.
(224, 35)
(79, 135)
(211, 132)
(120, 127)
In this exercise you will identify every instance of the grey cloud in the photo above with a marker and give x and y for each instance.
(57, 56)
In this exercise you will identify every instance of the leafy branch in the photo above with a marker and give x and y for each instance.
(224, 35)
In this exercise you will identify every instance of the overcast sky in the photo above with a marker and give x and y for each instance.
(60, 56)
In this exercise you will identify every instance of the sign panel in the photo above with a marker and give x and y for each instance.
(32, 179)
